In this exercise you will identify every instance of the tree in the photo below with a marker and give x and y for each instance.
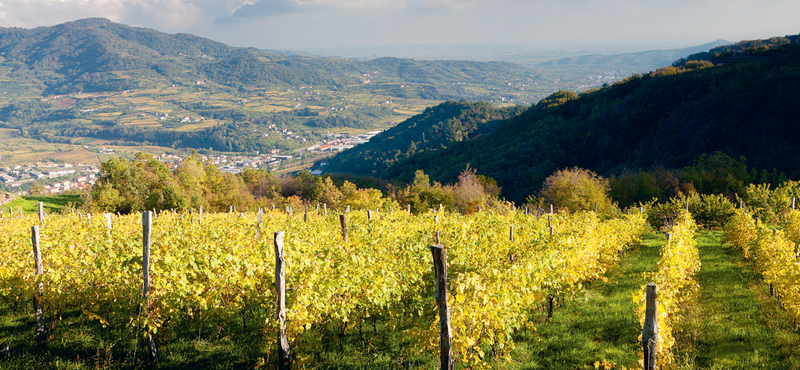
(37, 189)
(326, 192)
(577, 189)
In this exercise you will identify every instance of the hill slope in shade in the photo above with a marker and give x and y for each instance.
(435, 129)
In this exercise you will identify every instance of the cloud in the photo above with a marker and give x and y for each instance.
(265, 8)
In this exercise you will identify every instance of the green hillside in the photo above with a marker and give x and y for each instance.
(741, 103)
(434, 129)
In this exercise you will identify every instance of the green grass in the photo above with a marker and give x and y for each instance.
(598, 325)
(734, 324)
(51, 203)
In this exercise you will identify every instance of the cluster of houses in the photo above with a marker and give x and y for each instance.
(233, 164)
(71, 176)
(339, 142)
(289, 134)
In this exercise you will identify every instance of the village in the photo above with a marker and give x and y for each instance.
(60, 178)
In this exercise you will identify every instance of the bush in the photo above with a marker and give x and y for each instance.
(711, 210)
(577, 189)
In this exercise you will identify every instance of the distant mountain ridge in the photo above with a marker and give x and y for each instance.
(88, 54)
(652, 58)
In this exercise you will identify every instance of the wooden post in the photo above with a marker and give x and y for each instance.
(409, 208)
(650, 329)
(436, 219)
(526, 211)
(89, 218)
(793, 199)
(41, 213)
(325, 208)
(230, 209)
(595, 207)
(438, 237)
(305, 217)
(147, 223)
(347, 210)
(41, 327)
(641, 210)
(258, 224)
(479, 209)
(369, 214)
(549, 306)
(511, 232)
(551, 209)
(284, 358)
(687, 205)
(445, 339)
(317, 208)
(343, 222)
(108, 223)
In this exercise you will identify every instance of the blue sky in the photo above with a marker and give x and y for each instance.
(626, 25)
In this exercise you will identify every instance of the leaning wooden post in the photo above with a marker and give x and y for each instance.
(41, 213)
(147, 223)
(258, 224)
(343, 222)
(284, 359)
(41, 327)
(440, 266)
(650, 329)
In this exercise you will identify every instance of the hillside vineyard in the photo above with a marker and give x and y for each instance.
(214, 267)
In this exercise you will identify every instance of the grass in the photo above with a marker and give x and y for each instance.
(598, 325)
(734, 324)
(50, 203)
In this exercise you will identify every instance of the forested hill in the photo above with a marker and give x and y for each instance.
(95, 54)
(434, 129)
(747, 106)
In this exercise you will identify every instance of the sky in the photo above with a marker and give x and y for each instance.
(353, 26)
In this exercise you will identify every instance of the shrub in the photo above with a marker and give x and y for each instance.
(577, 189)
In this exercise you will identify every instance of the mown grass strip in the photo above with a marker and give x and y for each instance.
(598, 326)
(734, 324)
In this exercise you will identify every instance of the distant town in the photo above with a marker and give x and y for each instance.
(59, 178)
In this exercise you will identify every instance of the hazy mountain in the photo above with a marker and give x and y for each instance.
(645, 59)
